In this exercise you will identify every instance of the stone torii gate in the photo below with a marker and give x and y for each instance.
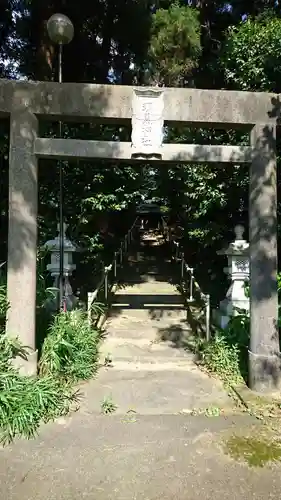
(27, 103)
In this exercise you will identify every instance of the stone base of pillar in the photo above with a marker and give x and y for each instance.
(264, 372)
(231, 307)
(223, 315)
(220, 318)
(27, 366)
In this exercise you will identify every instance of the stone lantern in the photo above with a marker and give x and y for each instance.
(68, 266)
(238, 270)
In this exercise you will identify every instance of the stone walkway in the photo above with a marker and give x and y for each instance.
(150, 448)
(150, 371)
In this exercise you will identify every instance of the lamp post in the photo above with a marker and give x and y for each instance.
(60, 30)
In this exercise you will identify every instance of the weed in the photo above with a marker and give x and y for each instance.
(70, 352)
(226, 354)
(108, 360)
(70, 349)
(27, 401)
(108, 406)
(210, 411)
(222, 359)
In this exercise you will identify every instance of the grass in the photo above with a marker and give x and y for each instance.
(108, 406)
(226, 354)
(222, 359)
(25, 402)
(70, 353)
(70, 350)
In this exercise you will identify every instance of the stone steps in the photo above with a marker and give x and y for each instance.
(152, 314)
(152, 365)
(150, 329)
(139, 301)
(143, 350)
(141, 344)
(153, 389)
(147, 367)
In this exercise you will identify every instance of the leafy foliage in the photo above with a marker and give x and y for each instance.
(108, 406)
(165, 42)
(70, 353)
(252, 55)
(226, 354)
(26, 402)
(70, 349)
(222, 358)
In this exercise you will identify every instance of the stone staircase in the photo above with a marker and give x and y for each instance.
(148, 368)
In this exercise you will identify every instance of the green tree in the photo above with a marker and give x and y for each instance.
(251, 58)
(174, 46)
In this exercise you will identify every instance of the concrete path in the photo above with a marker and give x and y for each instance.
(150, 448)
(163, 457)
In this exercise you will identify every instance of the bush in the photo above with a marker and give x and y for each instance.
(70, 353)
(70, 349)
(27, 401)
(227, 352)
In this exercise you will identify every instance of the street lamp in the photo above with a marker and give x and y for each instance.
(61, 31)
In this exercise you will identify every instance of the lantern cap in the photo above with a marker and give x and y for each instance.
(60, 29)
